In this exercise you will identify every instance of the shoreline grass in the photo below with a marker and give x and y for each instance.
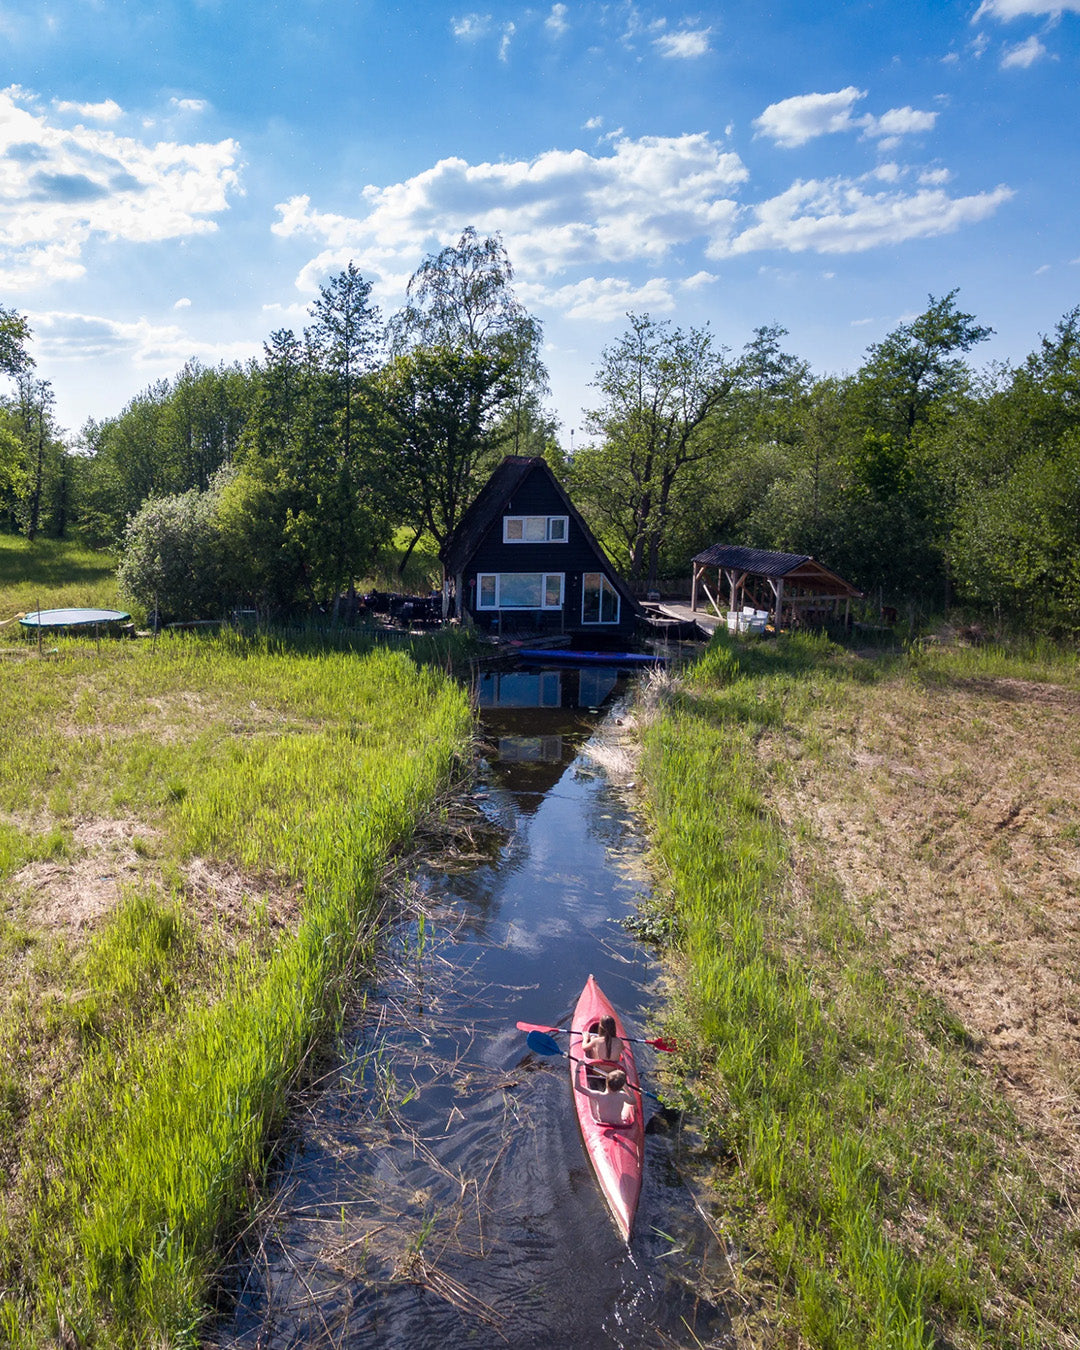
(868, 1155)
(173, 1046)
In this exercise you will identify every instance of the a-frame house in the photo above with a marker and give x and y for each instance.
(522, 559)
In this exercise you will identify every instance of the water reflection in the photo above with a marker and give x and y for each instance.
(438, 1194)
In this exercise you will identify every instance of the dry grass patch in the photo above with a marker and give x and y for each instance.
(950, 814)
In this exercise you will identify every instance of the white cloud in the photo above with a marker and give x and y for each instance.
(63, 336)
(504, 45)
(555, 22)
(561, 209)
(189, 105)
(471, 26)
(934, 177)
(1023, 55)
(182, 303)
(698, 280)
(594, 124)
(643, 203)
(602, 299)
(108, 111)
(1015, 9)
(684, 44)
(61, 187)
(794, 121)
(898, 122)
(837, 216)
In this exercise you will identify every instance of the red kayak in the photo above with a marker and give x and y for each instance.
(617, 1152)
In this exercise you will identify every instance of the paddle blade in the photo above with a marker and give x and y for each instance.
(662, 1043)
(541, 1044)
(536, 1026)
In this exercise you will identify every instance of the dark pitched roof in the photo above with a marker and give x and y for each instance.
(489, 505)
(761, 563)
(486, 506)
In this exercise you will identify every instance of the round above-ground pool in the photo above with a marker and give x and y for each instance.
(72, 618)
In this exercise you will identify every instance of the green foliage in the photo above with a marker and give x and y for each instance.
(306, 767)
(170, 439)
(53, 574)
(174, 557)
(659, 388)
(439, 406)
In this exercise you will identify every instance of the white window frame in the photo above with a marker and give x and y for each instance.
(545, 579)
(605, 581)
(559, 537)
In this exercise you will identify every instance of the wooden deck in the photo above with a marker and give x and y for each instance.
(705, 619)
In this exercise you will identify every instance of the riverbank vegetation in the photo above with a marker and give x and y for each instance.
(871, 908)
(191, 834)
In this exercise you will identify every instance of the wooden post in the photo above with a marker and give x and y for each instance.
(693, 588)
(779, 604)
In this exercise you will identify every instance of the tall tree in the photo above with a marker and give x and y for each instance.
(440, 408)
(14, 335)
(659, 387)
(346, 332)
(35, 400)
(463, 296)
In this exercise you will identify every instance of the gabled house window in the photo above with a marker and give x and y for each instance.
(599, 599)
(519, 590)
(535, 529)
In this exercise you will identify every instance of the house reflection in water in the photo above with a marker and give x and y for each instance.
(535, 721)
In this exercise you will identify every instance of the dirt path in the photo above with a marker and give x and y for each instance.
(951, 817)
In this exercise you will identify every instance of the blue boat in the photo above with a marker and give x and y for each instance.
(565, 656)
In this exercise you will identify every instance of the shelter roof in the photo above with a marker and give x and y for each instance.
(798, 568)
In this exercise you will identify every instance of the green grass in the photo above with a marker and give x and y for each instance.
(867, 1156)
(144, 1071)
(53, 574)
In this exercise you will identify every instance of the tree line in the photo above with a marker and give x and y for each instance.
(920, 478)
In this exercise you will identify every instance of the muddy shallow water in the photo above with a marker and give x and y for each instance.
(436, 1193)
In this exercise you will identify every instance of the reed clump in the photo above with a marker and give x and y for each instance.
(903, 1199)
(150, 1038)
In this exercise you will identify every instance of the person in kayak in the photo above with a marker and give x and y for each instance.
(611, 1104)
(601, 1041)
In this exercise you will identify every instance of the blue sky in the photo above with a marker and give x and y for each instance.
(178, 178)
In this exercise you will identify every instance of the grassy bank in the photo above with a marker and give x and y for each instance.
(191, 836)
(898, 1186)
(53, 574)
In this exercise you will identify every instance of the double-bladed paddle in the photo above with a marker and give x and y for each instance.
(542, 1044)
(658, 1043)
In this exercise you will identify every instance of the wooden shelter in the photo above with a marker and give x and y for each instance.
(794, 588)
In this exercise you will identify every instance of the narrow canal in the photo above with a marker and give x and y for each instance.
(436, 1193)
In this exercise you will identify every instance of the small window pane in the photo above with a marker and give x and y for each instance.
(557, 529)
(553, 590)
(487, 591)
(535, 529)
(512, 527)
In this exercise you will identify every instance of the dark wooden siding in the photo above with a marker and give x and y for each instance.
(537, 497)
